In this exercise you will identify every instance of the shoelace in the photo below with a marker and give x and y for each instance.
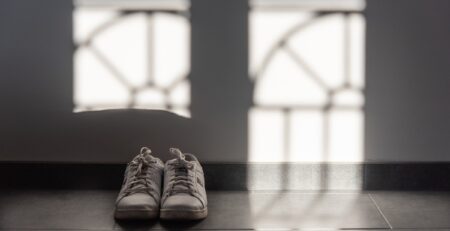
(140, 180)
(182, 177)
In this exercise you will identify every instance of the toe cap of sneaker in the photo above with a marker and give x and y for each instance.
(138, 201)
(182, 202)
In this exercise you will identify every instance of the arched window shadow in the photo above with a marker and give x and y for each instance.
(307, 67)
(131, 57)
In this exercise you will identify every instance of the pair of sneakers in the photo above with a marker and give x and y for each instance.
(180, 180)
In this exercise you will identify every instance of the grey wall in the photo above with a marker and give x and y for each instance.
(408, 80)
(408, 76)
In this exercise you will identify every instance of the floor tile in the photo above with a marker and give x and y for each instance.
(57, 210)
(422, 229)
(40, 229)
(415, 209)
(242, 210)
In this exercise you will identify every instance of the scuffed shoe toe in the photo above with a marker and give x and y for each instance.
(136, 206)
(184, 202)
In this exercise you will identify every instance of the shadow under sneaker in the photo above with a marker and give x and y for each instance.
(184, 196)
(139, 197)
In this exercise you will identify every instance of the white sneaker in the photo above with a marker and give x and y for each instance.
(184, 196)
(139, 197)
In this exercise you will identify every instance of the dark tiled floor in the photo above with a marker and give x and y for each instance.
(415, 209)
(92, 210)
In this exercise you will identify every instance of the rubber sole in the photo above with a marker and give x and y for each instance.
(167, 214)
(135, 214)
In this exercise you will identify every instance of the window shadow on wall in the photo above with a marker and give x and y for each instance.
(43, 126)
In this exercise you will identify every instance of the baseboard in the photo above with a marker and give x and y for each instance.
(364, 176)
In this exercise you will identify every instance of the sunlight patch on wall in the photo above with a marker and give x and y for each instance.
(131, 57)
(308, 70)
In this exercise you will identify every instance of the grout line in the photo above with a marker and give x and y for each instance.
(379, 210)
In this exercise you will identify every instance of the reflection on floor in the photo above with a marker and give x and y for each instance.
(235, 210)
